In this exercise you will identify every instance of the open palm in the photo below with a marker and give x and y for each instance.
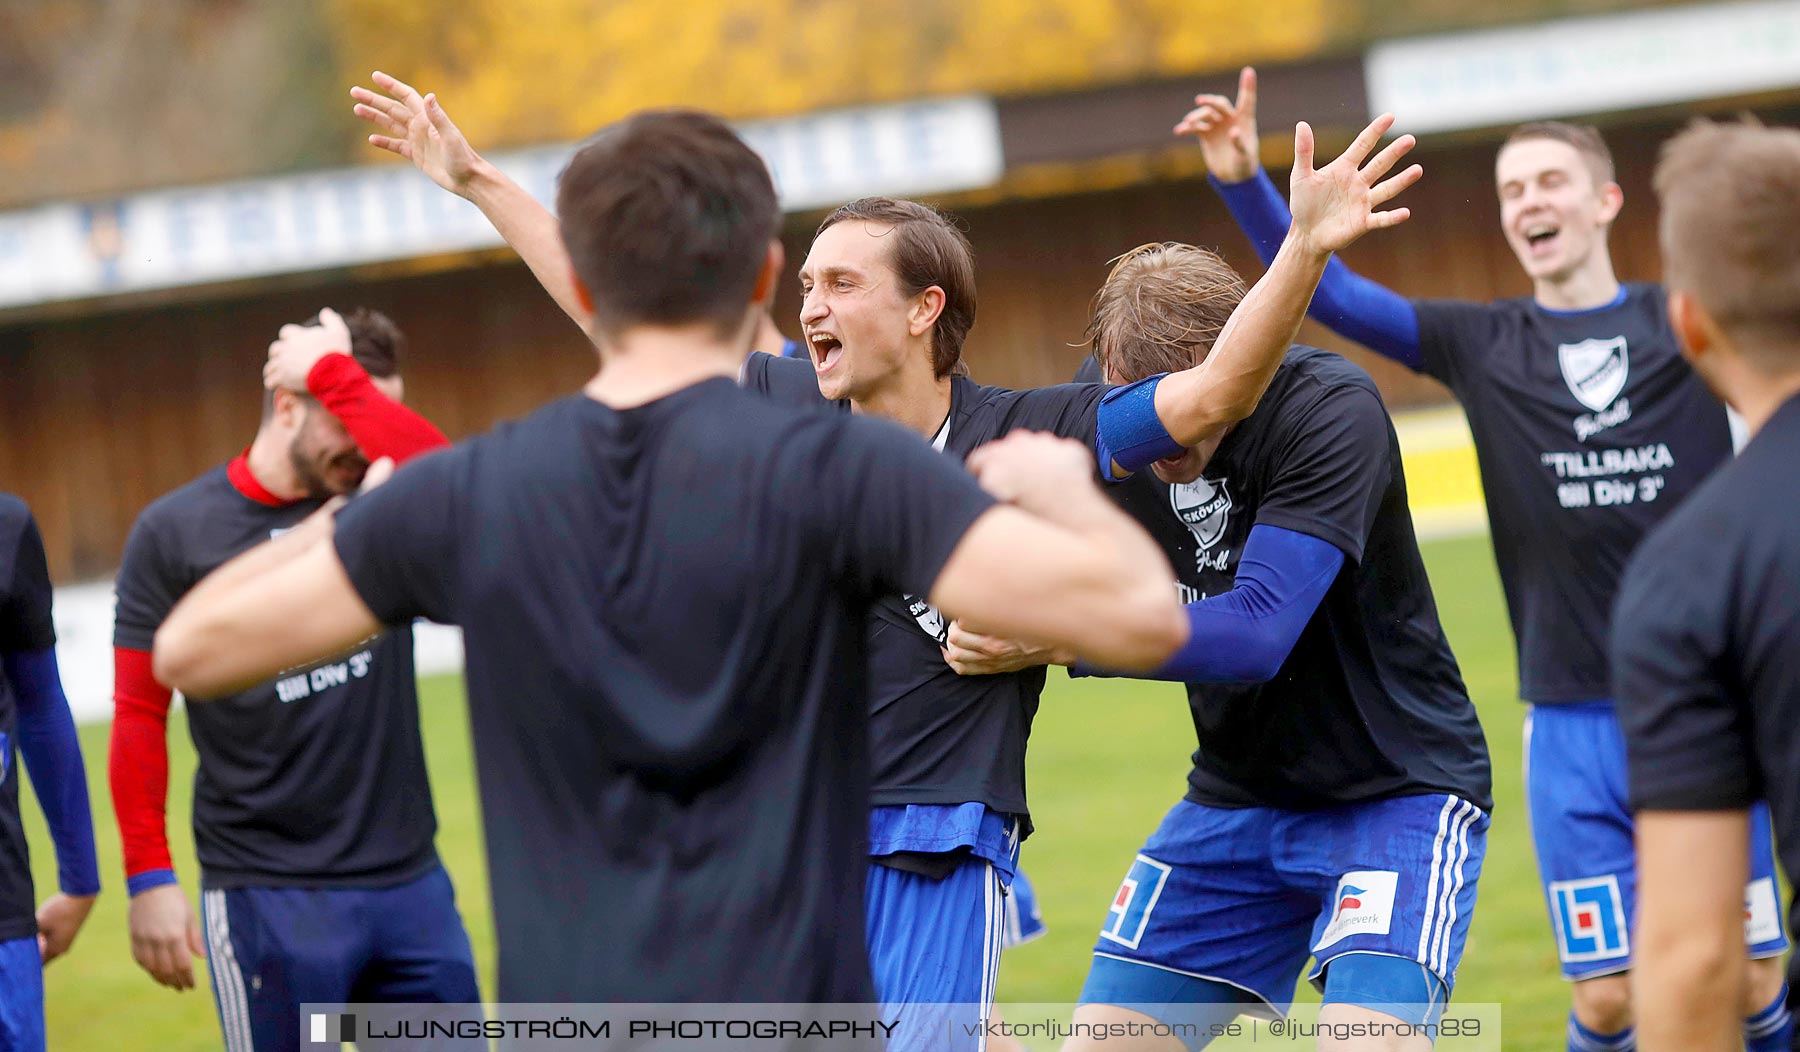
(418, 129)
(1336, 204)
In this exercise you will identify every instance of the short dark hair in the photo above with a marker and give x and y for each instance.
(667, 216)
(1160, 310)
(376, 342)
(1585, 138)
(929, 250)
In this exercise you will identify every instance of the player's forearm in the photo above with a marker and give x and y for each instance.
(533, 232)
(268, 555)
(222, 638)
(381, 426)
(1688, 958)
(138, 769)
(1129, 608)
(1256, 205)
(52, 754)
(1197, 404)
(1345, 302)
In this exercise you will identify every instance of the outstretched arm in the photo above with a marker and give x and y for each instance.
(1240, 636)
(1333, 207)
(1346, 302)
(1246, 634)
(417, 128)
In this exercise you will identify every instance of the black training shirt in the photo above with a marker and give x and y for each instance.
(1589, 427)
(674, 780)
(1370, 703)
(939, 737)
(315, 778)
(25, 626)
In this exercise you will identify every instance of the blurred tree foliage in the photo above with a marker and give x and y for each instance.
(534, 70)
(100, 96)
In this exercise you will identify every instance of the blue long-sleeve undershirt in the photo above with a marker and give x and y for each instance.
(1246, 634)
(52, 754)
(1346, 302)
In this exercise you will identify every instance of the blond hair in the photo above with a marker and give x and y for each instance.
(1160, 310)
(1730, 196)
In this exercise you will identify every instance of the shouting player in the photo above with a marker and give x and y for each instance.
(1589, 428)
(889, 297)
(319, 879)
(675, 782)
(1706, 645)
(35, 723)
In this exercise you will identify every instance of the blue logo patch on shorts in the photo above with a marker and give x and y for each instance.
(1129, 913)
(1590, 919)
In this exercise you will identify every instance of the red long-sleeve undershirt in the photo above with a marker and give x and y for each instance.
(138, 761)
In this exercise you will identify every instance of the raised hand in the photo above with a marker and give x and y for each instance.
(417, 128)
(297, 348)
(1336, 204)
(1226, 130)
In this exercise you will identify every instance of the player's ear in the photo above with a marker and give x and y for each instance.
(1694, 327)
(769, 275)
(582, 295)
(926, 308)
(290, 409)
(1612, 200)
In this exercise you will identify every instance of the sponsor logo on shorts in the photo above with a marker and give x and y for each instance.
(1589, 916)
(1362, 905)
(1762, 917)
(1129, 913)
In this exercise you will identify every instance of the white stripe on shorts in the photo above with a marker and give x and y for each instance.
(1431, 886)
(228, 978)
(1439, 961)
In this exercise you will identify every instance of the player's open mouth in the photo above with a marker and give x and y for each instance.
(1174, 462)
(826, 350)
(1542, 237)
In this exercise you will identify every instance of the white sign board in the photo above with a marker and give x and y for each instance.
(319, 220)
(1585, 65)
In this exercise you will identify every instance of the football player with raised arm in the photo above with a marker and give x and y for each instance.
(889, 298)
(1589, 428)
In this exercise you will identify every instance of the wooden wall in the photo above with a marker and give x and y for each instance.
(99, 415)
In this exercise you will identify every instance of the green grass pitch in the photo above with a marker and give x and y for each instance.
(1107, 759)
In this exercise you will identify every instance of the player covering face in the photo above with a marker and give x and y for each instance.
(1589, 428)
(319, 879)
(889, 289)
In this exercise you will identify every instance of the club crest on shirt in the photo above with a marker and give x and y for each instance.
(1595, 370)
(1205, 506)
(928, 618)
